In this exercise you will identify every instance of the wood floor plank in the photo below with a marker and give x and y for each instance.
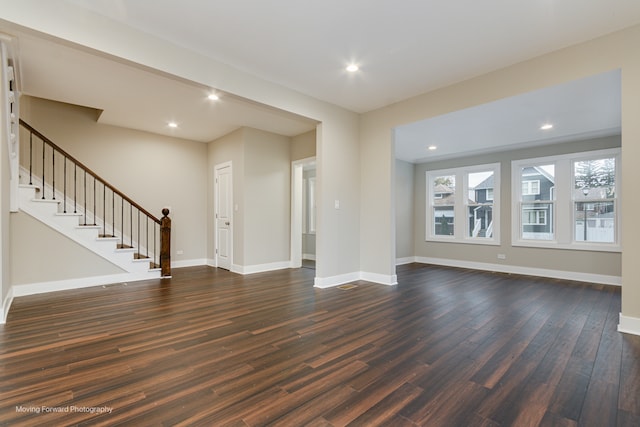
(445, 347)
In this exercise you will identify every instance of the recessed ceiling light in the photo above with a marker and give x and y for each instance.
(213, 97)
(172, 124)
(352, 68)
(432, 147)
(546, 126)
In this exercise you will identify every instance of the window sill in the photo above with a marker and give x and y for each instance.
(577, 246)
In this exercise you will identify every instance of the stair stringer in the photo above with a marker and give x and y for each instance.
(46, 211)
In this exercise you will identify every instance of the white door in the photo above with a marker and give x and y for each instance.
(223, 216)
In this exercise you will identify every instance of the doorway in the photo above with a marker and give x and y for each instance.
(303, 213)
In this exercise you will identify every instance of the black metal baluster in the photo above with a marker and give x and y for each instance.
(139, 242)
(30, 158)
(94, 201)
(104, 205)
(122, 222)
(147, 237)
(53, 172)
(43, 168)
(85, 197)
(64, 199)
(155, 247)
(75, 188)
(113, 213)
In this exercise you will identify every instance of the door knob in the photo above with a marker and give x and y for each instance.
(227, 223)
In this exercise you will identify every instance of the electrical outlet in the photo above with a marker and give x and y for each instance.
(180, 252)
(502, 256)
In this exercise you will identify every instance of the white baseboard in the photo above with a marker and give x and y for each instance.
(189, 263)
(310, 257)
(84, 282)
(6, 305)
(527, 271)
(405, 260)
(341, 279)
(629, 325)
(260, 268)
(382, 279)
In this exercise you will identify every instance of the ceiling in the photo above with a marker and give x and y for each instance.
(585, 108)
(403, 48)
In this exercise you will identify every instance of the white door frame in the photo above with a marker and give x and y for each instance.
(297, 167)
(216, 203)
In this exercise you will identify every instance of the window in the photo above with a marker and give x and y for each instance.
(443, 205)
(537, 201)
(594, 200)
(461, 205)
(489, 193)
(530, 188)
(567, 201)
(532, 216)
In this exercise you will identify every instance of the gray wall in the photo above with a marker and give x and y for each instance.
(605, 263)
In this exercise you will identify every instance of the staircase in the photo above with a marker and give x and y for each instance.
(89, 236)
(61, 192)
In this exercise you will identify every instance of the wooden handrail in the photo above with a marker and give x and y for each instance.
(89, 171)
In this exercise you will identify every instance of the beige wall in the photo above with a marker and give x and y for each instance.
(5, 254)
(156, 171)
(303, 146)
(33, 261)
(588, 262)
(618, 50)
(267, 197)
(404, 203)
(229, 148)
(261, 166)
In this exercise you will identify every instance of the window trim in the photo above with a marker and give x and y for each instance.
(563, 215)
(461, 205)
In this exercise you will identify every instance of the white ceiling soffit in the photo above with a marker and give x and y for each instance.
(585, 108)
(139, 99)
(403, 47)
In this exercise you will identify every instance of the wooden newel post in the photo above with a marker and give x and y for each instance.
(165, 244)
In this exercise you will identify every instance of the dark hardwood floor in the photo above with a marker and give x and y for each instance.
(445, 347)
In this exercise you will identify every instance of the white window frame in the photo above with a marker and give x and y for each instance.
(563, 219)
(461, 224)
